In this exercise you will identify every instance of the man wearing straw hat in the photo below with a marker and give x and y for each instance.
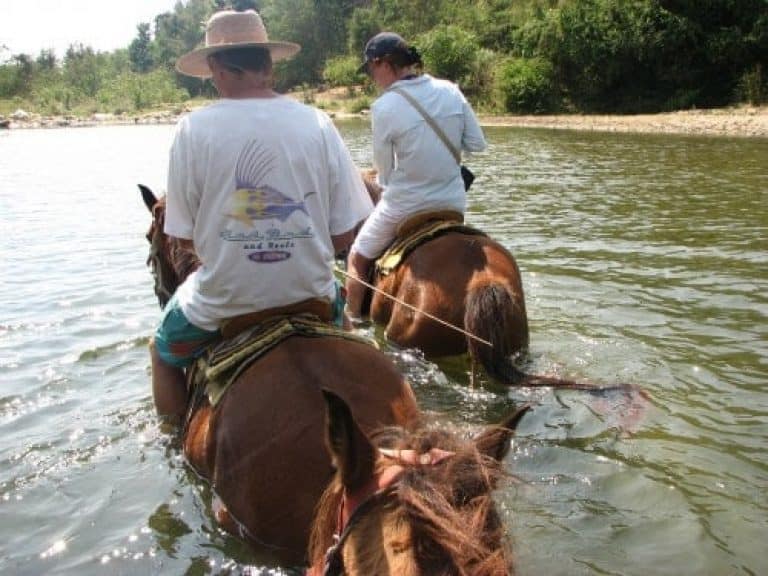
(264, 190)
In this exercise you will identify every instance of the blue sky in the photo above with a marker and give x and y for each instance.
(28, 26)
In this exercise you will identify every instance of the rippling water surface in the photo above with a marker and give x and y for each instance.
(644, 259)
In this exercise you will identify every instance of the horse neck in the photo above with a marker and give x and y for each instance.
(175, 260)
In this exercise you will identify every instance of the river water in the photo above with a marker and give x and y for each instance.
(644, 259)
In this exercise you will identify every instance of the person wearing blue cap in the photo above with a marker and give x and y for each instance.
(420, 125)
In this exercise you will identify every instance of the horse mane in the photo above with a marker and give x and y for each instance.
(455, 527)
(374, 188)
(171, 260)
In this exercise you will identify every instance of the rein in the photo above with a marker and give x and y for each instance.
(354, 506)
(156, 264)
(413, 308)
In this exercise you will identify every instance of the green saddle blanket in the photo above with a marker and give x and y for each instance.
(222, 364)
(404, 245)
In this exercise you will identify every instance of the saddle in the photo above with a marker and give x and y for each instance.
(417, 230)
(249, 337)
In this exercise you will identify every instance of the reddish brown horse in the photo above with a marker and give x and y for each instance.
(461, 292)
(410, 504)
(262, 446)
(468, 281)
(457, 293)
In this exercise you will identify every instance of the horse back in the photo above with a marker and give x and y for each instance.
(268, 462)
(436, 278)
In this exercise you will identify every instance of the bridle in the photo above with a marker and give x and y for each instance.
(160, 268)
(353, 506)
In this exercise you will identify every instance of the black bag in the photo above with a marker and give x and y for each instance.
(467, 176)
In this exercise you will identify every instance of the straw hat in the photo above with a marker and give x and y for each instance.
(229, 29)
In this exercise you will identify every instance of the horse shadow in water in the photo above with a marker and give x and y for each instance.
(263, 450)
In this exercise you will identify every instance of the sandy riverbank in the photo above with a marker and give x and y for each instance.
(742, 121)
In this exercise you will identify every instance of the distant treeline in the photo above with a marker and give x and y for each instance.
(522, 56)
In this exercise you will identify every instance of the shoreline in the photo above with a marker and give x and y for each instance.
(742, 121)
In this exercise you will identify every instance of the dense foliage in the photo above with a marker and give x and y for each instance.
(508, 55)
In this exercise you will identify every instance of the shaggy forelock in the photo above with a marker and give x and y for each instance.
(455, 529)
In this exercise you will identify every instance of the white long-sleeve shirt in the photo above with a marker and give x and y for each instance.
(415, 167)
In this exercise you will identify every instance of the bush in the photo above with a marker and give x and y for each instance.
(133, 91)
(359, 104)
(342, 71)
(449, 52)
(526, 85)
(481, 78)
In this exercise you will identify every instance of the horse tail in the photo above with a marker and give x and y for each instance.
(493, 314)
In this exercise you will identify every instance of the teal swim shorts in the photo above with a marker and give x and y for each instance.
(177, 340)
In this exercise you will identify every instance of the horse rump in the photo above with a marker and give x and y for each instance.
(491, 314)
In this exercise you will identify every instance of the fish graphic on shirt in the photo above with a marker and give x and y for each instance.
(253, 199)
(263, 203)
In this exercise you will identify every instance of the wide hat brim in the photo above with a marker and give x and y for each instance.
(195, 63)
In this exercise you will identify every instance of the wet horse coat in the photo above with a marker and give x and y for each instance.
(467, 281)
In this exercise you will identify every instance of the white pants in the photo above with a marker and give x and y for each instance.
(378, 231)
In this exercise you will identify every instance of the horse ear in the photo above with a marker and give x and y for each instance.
(352, 453)
(494, 441)
(149, 198)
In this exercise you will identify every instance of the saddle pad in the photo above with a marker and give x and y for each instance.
(226, 361)
(404, 245)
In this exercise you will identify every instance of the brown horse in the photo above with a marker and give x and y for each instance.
(461, 292)
(262, 447)
(409, 504)
(467, 281)
(458, 293)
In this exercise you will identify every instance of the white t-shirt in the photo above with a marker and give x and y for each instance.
(415, 167)
(259, 186)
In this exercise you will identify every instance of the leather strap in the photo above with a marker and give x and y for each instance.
(317, 306)
(431, 121)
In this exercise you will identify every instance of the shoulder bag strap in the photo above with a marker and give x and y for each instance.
(431, 122)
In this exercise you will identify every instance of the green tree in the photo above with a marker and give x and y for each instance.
(342, 71)
(730, 40)
(139, 51)
(82, 70)
(239, 5)
(46, 60)
(319, 26)
(409, 18)
(25, 69)
(363, 25)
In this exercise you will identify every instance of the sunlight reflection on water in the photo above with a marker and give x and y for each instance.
(643, 258)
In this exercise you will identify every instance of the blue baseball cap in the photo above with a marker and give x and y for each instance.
(383, 44)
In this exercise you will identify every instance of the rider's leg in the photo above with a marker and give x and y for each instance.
(357, 268)
(375, 235)
(176, 344)
(169, 386)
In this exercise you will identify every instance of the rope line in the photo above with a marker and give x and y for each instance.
(413, 308)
